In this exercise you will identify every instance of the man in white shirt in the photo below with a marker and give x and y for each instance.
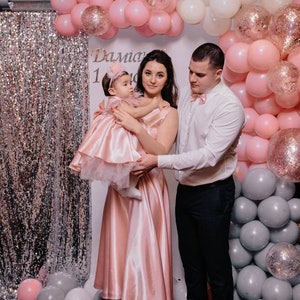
(211, 118)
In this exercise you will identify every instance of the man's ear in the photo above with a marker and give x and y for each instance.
(112, 91)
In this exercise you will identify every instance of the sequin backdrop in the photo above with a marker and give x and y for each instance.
(44, 209)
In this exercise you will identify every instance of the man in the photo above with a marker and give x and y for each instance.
(211, 118)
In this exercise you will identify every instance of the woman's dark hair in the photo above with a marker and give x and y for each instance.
(170, 90)
(212, 52)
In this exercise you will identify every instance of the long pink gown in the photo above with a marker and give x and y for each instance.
(108, 152)
(134, 259)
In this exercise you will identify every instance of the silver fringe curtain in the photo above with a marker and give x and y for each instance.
(44, 209)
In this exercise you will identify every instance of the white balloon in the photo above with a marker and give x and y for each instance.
(78, 294)
(274, 288)
(294, 205)
(191, 11)
(215, 26)
(224, 8)
(288, 233)
(274, 5)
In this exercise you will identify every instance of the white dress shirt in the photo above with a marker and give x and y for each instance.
(207, 136)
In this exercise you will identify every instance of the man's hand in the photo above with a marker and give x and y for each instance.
(146, 163)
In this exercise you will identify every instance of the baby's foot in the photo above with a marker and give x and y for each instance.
(131, 192)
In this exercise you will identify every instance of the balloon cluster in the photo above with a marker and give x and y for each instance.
(59, 286)
(262, 67)
(104, 18)
(264, 238)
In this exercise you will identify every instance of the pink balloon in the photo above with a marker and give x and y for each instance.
(236, 57)
(29, 289)
(159, 22)
(251, 115)
(266, 125)
(117, 13)
(228, 39)
(63, 6)
(144, 30)
(171, 6)
(76, 14)
(257, 149)
(83, 1)
(158, 4)
(105, 4)
(232, 77)
(241, 147)
(241, 170)
(289, 119)
(294, 57)
(263, 54)
(287, 100)
(64, 25)
(136, 13)
(267, 105)
(256, 84)
(111, 33)
(177, 25)
(239, 89)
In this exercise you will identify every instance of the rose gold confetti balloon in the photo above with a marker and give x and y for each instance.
(283, 78)
(95, 20)
(251, 22)
(284, 29)
(283, 261)
(283, 157)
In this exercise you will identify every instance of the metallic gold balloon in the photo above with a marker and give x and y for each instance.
(95, 20)
(283, 157)
(284, 29)
(251, 22)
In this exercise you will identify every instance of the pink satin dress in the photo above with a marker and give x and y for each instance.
(108, 152)
(135, 259)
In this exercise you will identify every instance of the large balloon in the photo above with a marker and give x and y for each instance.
(284, 29)
(51, 293)
(283, 261)
(274, 288)
(283, 156)
(62, 280)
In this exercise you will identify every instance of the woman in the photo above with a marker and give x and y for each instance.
(135, 260)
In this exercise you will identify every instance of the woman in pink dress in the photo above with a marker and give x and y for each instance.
(109, 152)
(135, 258)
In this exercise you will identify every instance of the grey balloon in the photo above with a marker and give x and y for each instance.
(244, 210)
(260, 257)
(51, 293)
(240, 257)
(289, 233)
(285, 189)
(274, 288)
(294, 205)
(259, 184)
(62, 280)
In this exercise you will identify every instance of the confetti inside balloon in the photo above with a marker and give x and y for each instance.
(284, 29)
(283, 261)
(283, 157)
(95, 20)
(251, 22)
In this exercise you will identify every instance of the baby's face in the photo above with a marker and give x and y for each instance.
(123, 86)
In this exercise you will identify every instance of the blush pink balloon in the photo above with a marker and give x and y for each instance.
(136, 13)
(267, 105)
(232, 77)
(144, 30)
(117, 13)
(227, 39)
(76, 14)
(29, 289)
(64, 25)
(263, 54)
(241, 170)
(239, 89)
(159, 22)
(289, 118)
(236, 57)
(287, 100)
(257, 149)
(256, 84)
(241, 147)
(266, 125)
(105, 4)
(110, 33)
(177, 25)
(63, 6)
(250, 115)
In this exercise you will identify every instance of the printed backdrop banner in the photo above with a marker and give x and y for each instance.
(129, 48)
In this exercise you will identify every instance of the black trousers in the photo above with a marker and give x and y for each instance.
(203, 216)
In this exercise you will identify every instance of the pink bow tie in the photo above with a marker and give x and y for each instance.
(201, 98)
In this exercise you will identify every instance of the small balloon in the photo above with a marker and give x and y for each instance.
(158, 4)
(283, 261)
(95, 20)
(62, 280)
(51, 293)
(78, 294)
(239, 256)
(29, 289)
(274, 288)
(283, 157)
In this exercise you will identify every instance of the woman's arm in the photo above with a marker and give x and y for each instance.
(165, 136)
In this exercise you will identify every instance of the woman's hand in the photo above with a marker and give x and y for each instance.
(126, 120)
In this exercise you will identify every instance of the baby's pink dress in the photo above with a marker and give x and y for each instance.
(108, 152)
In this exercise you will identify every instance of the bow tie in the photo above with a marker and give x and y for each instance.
(201, 98)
